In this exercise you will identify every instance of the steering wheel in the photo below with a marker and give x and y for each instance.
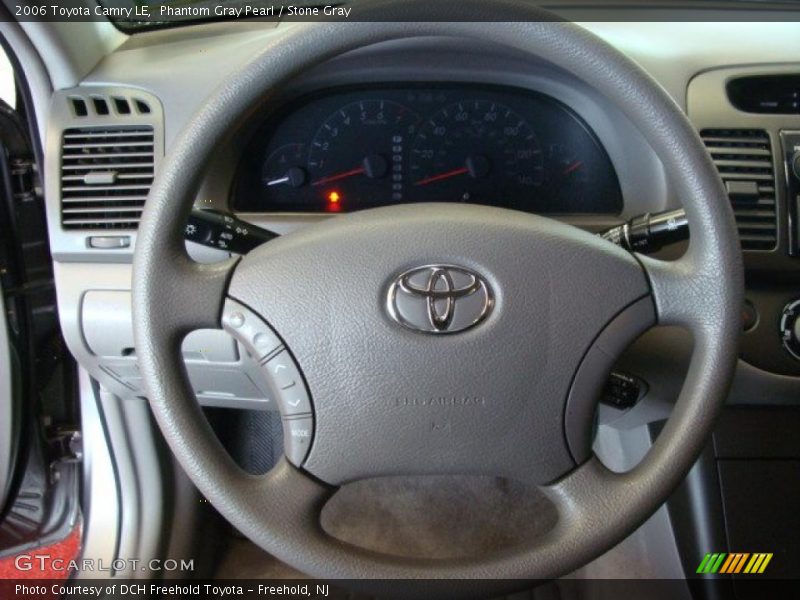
(435, 338)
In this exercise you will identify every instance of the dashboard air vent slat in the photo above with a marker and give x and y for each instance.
(138, 165)
(122, 105)
(142, 106)
(106, 174)
(101, 135)
(79, 107)
(743, 158)
(100, 105)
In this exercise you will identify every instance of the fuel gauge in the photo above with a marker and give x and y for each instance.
(283, 168)
(567, 164)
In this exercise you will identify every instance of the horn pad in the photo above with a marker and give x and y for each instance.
(438, 338)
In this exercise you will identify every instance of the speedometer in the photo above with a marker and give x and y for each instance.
(476, 151)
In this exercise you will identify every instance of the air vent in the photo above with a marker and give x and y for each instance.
(101, 106)
(79, 107)
(122, 105)
(106, 173)
(744, 160)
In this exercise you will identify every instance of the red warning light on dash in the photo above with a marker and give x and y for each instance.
(334, 199)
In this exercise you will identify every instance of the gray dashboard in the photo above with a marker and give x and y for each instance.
(162, 68)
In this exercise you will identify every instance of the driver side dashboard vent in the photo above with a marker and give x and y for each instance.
(743, 158)
(102, 105)
(106, 174)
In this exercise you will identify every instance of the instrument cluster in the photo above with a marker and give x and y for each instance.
(351, 149)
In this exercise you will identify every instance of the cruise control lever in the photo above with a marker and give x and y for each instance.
(649, 232)
(224, 231)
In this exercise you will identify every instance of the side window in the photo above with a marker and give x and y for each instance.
(8, 87)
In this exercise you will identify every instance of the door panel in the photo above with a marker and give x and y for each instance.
(9, 434)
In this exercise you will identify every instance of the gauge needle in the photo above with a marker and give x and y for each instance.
(295, 177)
(573, 167)
(440, 176)
(339, 176)
(286, 179)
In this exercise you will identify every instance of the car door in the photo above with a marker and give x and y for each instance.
(39, 438)
(13, 330)
(8, 409)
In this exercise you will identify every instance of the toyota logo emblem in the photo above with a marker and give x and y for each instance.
(439, 299)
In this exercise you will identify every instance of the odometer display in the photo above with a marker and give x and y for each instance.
(352, 149)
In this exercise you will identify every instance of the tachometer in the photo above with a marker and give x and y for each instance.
(357, 154)
(476, 151)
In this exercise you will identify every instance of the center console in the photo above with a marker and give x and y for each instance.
(742, 494)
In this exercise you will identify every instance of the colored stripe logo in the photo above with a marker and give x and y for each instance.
(734, 562)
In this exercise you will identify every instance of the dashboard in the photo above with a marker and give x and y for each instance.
(354, 148)
(569, 123)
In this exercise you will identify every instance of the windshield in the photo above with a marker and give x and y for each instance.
(132, 15)
(136, 14)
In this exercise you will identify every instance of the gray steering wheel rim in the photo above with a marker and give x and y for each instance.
(173, 295)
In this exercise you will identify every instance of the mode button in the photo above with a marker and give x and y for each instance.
(297, 434)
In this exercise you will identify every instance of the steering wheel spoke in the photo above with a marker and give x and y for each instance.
(190, 294)
(570, 493)
(205, 287)
(290, 494)
(678, 288)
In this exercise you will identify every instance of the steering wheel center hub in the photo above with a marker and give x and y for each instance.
(460, 365)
